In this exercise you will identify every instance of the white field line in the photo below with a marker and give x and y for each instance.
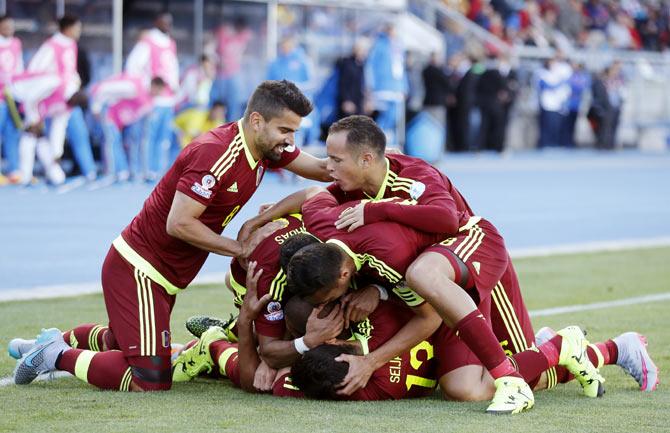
(76, 289)
(600, 305)
(590, 247)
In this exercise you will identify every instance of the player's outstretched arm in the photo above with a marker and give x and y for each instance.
(183, 223)
(288, 205)
(310, 167)
(424, 323)
(251, 308)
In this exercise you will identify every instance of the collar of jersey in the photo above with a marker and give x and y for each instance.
(357, 260)
(382, 189)
(250, 158)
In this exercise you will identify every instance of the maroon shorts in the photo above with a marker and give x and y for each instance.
(482, 250)
(505, 311)
(138, 308)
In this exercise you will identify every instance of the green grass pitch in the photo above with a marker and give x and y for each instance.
(67, 405)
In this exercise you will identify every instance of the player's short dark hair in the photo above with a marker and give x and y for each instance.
(5, 17)
(292, 245)
(67, 21)
(158, 81)
(362, 132)
(313, 268)
(317, 374)
(272, 97)
(218, 103)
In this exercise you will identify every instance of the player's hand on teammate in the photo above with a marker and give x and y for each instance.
(252, 306)
(351, 218)
(264, 208)
(322, 327)
(360, 370)
(264, 377)
(360, 304)
(259, 235)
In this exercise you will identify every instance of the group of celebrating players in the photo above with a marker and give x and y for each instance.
(383, 285)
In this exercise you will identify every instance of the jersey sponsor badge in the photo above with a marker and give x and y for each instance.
(417, 189)
(204, 188)
(275, 312)
(233, 187)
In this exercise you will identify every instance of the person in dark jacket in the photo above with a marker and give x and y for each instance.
(437, 87)
(351, 83)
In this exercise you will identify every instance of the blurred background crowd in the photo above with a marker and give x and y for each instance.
(114, 89)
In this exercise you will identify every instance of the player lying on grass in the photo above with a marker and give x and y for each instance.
(317, 373)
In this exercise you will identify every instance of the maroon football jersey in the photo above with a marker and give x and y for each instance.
(217, 170)
(418, 184)
(411, 374)
(273, 280)
(382, 250)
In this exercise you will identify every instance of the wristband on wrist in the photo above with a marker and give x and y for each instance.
(300, 346)
(383, 294)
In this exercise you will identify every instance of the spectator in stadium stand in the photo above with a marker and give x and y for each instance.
(579, 82)
(495, 94)
(606, 106)
(232, 39)
(191, 123)
(456, 67)
(650, 30)
(351, 82)
(437, 88)
(386, 78)
(10, 122)
(118, 102)
(48, 90)
(597, 15)
(570, 18)
(454, 40)
(293, 64)
(621, 32)
(155, 55)
(466, 102)
(196, 86)
(554, 92)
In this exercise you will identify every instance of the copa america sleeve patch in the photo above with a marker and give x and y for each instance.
(204, 187)
(416, 190)
(275, 312)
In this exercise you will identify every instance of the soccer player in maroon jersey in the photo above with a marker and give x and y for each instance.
(411, 374)
(165, 245)
(271, 256)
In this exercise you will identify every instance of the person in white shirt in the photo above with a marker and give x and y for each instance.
(11, 64)
(155, 55)
(50, 81)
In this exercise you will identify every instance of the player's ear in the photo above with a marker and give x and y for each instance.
(256, 121)
(366, 159)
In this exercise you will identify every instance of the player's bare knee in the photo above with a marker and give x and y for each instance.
(463, 392)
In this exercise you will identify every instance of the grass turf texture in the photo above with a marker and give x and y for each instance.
(205, 405)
